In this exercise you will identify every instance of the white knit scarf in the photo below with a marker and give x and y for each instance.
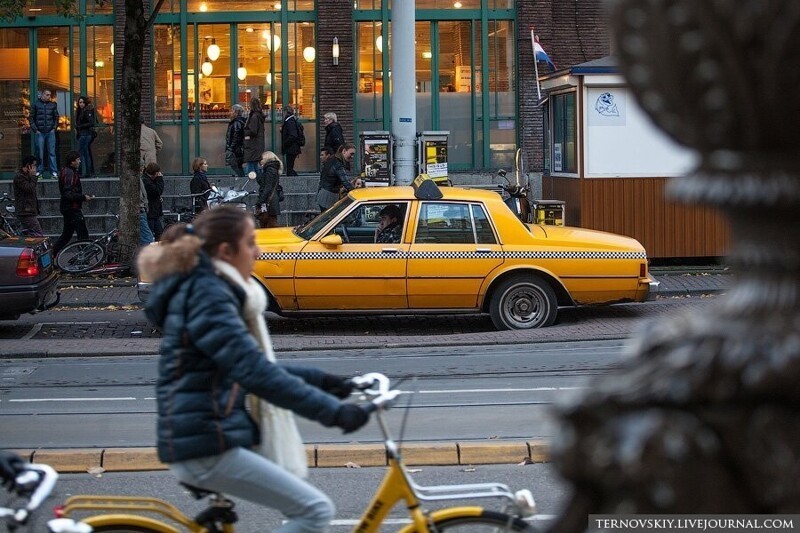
(280, 440)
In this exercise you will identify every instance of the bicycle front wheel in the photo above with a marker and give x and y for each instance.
(124, 529)
(487, 521)
(80, 256)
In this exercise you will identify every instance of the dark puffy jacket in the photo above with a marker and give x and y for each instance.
(44, 116)
(200, 184)
(267, 181)
(290, 136)
(334, 136)
(234, 138)
(25, 200)
(69, 185)
(333, 176)
(254, 128)
(209, 360)
(85, 120)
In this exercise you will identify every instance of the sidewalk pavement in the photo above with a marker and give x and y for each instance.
(363, 332)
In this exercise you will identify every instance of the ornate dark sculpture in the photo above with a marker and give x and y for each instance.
(706, 417)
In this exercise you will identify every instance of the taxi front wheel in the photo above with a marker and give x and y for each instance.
(523, 302)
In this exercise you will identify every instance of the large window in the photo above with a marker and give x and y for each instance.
(15, 97)
(564, 139)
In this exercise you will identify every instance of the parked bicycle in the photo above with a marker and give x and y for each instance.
(10, 223)
(104, 255)
(115, 513)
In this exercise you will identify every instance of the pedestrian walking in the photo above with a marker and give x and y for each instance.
(149, 144)
(234, 140)
(215, 349)
(346, 154)
(200, 184)
(269, 201)
(254, 137)
(145, 234)
(44, 123)
(71, 205)
(153, 181)
(85, 121)
(26, 200)
(332, 178)
(292, 139)
(334, 136)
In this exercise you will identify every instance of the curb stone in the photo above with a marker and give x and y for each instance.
(98, 460)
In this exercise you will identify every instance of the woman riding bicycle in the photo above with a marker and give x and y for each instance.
(215, 349)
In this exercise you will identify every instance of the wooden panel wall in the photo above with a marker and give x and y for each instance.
(639, 208)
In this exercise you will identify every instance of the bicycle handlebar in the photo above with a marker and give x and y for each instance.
(36, 479)
(377, 386)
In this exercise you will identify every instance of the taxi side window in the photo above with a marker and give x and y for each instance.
(446, 223)
(483, 229)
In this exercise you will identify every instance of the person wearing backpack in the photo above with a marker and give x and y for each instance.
(292, 139)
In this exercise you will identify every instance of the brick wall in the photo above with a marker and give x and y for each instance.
(335, 19)
(571, 32)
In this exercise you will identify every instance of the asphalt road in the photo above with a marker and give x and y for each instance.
(462, 393)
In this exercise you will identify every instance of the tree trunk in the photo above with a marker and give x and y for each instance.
(130, 100)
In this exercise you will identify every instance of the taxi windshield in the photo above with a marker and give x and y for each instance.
(307, 231)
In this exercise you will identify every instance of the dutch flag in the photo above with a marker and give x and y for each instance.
(539, 53)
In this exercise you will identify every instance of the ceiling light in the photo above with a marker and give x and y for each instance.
(99, 63)
(112, 49)
(241, 72)
(265, 34)
(249, 29)
(274, 43)
(277, 6)
(379, 43)
(427, 55)
(457, 5)
(309, 54)
(203, 7)
(269, 78)
(213, 50)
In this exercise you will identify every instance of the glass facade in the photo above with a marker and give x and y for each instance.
(209, 54)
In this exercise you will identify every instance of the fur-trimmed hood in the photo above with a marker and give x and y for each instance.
(158, 261)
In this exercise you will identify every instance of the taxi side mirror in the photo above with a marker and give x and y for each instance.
(332, 240)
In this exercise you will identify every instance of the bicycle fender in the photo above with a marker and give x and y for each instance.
(129, 520)
(450, 512)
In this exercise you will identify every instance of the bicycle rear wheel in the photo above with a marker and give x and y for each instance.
(80, 256)
(124, 529)
(487, 521)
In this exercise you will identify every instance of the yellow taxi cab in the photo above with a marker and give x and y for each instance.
(451, 250)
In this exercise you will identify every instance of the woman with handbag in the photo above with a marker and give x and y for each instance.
(270, 192)
(215, 349)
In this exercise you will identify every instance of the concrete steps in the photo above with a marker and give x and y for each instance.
(300, 202)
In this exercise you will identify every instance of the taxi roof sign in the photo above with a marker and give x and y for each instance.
(425, 188)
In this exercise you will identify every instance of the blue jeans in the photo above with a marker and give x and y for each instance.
(50, 139)
(247, 475)
(85, 149)
(252, 166)
(145, 235)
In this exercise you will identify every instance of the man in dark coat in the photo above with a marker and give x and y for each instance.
(26, 202)
(334, 136)
(72, 198)
(234, 141)
(153, 181)
(44, 122)
(290, 139)
(254, 137)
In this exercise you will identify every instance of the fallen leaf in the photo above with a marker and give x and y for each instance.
(96, 470)
(494, 437)
(352, 465)
(526, 461)
(470, 469)
(414, 470)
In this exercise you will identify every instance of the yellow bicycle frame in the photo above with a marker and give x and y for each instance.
(395, 487)
(123, 505)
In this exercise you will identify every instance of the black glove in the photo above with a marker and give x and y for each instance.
(337, 385)
(350, 417)
(10, 466)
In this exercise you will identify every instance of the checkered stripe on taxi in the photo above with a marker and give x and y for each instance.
(285, 256)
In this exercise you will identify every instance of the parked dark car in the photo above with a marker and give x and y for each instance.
(28, 279)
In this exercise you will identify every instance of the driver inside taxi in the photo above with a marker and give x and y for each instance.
(390, 226)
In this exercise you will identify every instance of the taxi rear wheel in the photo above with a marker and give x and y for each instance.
(523, 302)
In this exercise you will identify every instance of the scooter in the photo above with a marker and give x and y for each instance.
(516, 194)
(230, 195)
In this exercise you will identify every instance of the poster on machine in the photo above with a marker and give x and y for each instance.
(376, 160)
(436, 158)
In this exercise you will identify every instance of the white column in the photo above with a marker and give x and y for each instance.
(404, 91)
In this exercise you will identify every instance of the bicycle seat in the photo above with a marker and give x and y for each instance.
(197, 492)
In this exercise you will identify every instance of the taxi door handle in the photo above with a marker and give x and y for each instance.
(483, 251)
(389, 250)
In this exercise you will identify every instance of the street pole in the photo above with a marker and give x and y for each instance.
(404, 91)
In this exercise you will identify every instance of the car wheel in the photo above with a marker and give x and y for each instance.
(523, 302)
